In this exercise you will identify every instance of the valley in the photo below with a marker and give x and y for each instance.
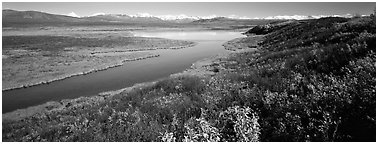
(109, 78)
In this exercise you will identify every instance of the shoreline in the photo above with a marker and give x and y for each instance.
(198, 68)
(150, 49)
(80, 73)
(239, 44)
(203, 67)
(120, 63)
(66, 104)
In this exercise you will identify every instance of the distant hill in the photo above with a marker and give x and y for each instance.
(34, 17)
(230, 21)
(123, 19)
(273, 26)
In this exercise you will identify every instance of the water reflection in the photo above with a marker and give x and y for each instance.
(190, 35)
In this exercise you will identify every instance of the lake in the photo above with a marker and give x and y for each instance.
(209, 43)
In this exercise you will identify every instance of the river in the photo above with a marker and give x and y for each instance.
(209, 43)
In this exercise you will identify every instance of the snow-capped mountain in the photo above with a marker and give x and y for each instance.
(302, 17)
(172, 17)
(73, 14)
(186, 18)
(29, 17)
(176, 18)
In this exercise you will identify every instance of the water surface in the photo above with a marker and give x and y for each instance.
(209, 43)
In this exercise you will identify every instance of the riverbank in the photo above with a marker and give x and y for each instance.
(63, 110)
(244, 44)
(202, 68)
(39, 64)
(66, 104)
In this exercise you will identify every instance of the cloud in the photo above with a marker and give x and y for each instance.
(72, 14)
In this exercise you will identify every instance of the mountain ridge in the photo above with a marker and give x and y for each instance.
(13, 17)
(183, 16)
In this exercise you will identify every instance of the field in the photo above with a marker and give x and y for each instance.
(35, 56)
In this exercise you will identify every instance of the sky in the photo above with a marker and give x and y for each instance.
(241, 9)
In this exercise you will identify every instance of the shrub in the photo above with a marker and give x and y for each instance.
(244, 123)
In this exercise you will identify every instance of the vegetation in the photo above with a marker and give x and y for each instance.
(58, 43)
(315, 81)
(309, 81)
(36, 59)
(268, 28)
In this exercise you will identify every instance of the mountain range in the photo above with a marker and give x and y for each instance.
(34, 17)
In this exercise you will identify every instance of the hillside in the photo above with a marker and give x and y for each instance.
(223, 21)
(33, 17)
(124, 19)
(307, 81)
(314, 81)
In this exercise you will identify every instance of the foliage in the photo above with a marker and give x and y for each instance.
(244, 122)
(306, 83)
(268, 28)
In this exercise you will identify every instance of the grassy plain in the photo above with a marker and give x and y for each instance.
(35, 56)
